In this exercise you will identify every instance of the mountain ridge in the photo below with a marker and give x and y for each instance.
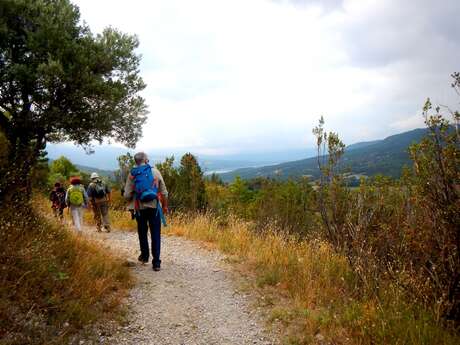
(386, 156)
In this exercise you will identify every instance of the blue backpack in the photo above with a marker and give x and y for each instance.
(145, 185)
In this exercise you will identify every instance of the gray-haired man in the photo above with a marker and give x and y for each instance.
(147, 215)
(99, 195)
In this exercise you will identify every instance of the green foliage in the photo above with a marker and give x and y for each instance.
(218, 199)
(290, 206)
(332, 197)
(215, 179)
(240, 197)
(60, 170)
(60, 82)
(436, 198)
(403, 233)
(171, 177)
(285, 205)
(191, 193)
(125, 164)
(40, 172)
(398, 235)
(64, 167)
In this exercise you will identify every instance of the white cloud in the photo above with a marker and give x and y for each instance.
(408, 123)
(225, 76)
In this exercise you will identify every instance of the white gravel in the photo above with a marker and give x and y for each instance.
(192, 300)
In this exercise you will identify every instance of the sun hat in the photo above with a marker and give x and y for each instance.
(94, 175)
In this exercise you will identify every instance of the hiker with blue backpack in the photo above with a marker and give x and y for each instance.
(146, 190)
(77, 199)
(99, 196)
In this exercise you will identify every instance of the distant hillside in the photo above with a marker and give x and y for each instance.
(386, 156)
(362, 144)
(101, 172)
(89, 170)
(105, 157)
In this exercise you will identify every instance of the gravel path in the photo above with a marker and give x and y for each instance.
(192, 300)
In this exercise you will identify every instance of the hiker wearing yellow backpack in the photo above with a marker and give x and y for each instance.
(146, 190)
(77, 199)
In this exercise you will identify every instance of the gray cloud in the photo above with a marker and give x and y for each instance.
(234, 75)
(409, 30)
(327, 5)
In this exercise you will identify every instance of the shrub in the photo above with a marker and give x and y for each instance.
(52, 283)
(406, 232)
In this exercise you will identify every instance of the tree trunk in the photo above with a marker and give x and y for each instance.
(16, 183)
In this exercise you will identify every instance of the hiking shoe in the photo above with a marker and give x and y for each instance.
(142, 260)
(156, 268)
(107, 228)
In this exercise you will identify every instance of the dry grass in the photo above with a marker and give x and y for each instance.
(53, 282)
(120, 217)
(308, 287)
(319, 287)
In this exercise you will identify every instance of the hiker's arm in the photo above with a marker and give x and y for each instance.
(108, 192)
(164, 192)
(85, 197)
(89, 195)
(128, 194)
(165, 204)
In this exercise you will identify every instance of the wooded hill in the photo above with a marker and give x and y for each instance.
(386, 157)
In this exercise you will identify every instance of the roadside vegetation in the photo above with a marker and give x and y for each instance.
(374, 264)
(313, 293)
(54, 284)
(58, 82)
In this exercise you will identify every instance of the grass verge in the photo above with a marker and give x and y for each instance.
(53, 283)
(323, 304)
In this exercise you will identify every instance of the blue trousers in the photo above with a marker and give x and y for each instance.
(149, 218)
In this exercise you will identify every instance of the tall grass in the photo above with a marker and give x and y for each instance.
(120, 218)
(319, 287)
(53, 283)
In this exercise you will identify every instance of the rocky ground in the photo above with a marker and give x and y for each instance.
(194, 299)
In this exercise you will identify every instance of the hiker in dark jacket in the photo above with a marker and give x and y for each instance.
(147, 213)
(99, 196)
(57, 198)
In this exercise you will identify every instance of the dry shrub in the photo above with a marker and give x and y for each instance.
(320, 287)
(53, 282)
(404, 233)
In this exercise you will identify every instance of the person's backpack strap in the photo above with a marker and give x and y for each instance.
(161, 214)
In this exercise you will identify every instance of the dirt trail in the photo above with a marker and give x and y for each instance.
(192, 300)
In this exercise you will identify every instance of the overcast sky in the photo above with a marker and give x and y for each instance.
(233, 76)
